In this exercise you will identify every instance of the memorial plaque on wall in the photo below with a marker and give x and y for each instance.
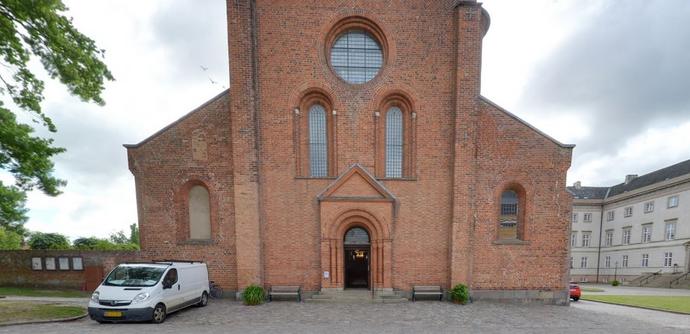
(36, 263)
(77, 264)
(64, 263)
(50, 263)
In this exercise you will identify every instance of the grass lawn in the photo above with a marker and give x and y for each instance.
(592, 290)
(665, 303)
(26, 311)
(30, 292)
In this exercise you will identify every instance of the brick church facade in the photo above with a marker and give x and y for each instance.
(354, 150)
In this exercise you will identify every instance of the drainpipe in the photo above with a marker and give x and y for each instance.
(601, 225)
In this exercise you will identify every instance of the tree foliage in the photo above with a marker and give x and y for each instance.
(9, 239)
(39, 30)
(134, 234)
(39, 240)
(93, 243)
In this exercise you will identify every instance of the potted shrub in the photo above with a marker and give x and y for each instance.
(460, 294)
(615, 283)
(253, 295)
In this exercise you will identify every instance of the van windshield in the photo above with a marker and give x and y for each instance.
(134, 276)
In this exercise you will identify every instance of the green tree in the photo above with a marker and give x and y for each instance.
(119, 237)
(85, 243)
(134, 234)
(9, 239)
(39, 240)
(38, 29)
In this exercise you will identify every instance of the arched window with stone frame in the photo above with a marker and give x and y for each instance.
(315, 144)
(395, 143)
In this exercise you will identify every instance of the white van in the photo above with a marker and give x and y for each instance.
(149, 291)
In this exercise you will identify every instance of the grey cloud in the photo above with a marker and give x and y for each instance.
(95, 155)
(195, 33)
(626, 68)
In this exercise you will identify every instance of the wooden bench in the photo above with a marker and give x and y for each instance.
(285, 290)
(427, 290)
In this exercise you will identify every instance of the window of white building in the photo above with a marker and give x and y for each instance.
(609, 238)
(571, 262)
(610, 215)
(668, 259)
(583, 262)
(626, 235)
(607, 261)
(627, 212)
(574, 218)
(646, 232)
(645, 260)
(587, 217)
(649, 207)
(573, 239)
(625, 261)
(670, 231)
(585, 238)
(673, 201)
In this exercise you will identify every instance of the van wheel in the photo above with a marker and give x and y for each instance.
(158, 314)
(204, 300)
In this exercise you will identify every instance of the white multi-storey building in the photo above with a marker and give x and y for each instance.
(639, 226)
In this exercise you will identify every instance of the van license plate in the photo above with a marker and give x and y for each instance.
(112, 314)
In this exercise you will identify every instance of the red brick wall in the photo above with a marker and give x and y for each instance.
(17, 269)
(163, 168)
(267, 215)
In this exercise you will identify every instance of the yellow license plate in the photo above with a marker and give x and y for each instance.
(112, 314)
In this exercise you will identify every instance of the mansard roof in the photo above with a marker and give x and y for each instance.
(588, 192)
(657, 176)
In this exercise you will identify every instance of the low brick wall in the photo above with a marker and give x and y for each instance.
(59, 269)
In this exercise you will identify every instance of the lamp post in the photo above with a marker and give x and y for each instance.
(615, 272)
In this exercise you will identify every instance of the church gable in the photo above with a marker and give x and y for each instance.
(356, 183)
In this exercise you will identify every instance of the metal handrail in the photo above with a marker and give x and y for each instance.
(646, 279)
(678, 279)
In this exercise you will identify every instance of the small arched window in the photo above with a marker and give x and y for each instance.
(199, 213)
(318, 141)
(394, 142)
(509, 216)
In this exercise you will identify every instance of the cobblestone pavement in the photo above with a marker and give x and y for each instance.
(419, 317)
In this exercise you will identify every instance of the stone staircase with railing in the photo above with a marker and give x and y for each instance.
(355, 296)
(681, 282)
(661, 280)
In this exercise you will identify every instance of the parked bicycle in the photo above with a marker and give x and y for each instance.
(215, 289)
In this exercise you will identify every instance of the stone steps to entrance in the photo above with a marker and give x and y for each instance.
(355, 297)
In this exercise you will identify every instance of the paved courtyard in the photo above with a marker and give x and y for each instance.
(420, 317)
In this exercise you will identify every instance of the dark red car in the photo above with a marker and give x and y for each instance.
(575, 291)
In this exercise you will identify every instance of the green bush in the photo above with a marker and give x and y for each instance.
(615, 283)
(253, 295)
(460, 294)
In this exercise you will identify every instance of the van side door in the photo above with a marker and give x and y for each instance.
(171, 289)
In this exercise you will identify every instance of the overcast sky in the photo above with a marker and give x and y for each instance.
(612, 77)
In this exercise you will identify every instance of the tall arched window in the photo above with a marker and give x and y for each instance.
(199, 214)
(318, 141)
(509, 217)
(394, 142)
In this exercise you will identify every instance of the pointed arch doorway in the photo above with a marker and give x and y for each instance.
(357, 248)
